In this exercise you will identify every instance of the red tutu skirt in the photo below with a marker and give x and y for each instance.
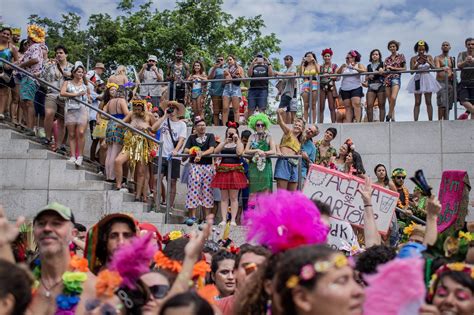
(230, 176)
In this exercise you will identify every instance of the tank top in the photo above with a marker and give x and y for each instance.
(350, 82)
(230, 160)
(71, 101)
(6, 54)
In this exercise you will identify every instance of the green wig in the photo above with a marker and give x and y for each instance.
(259, 117)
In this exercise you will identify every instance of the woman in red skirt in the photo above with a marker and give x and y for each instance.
(230, 177)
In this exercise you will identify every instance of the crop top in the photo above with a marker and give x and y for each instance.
(289, 141)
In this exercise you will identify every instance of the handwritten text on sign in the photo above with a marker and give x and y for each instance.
(341, 235)
(340, 191)
(450, 195)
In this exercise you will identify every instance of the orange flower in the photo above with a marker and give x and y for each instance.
(164, 262)
(107, 283)
(200, 269)
(79, 264)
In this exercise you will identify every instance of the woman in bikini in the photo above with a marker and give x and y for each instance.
(328, 86)
(310, 68)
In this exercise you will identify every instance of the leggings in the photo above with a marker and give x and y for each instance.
(113, 151)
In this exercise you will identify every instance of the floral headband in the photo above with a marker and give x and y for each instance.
(309, 271)
(457, 266)
(36, 33)
(139, 103)
(200, 269)
(112, 85)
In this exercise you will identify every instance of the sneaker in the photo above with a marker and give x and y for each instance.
(41, 132)
(79, 160)
(62, 149)
(190, 221)
(223, 223)
(45, 141)
(233, 223)
(72, 159)
(124, 189)
(2, 117)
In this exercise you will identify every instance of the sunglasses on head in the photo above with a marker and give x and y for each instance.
(159, 291)
(400, 177)
(260, 125)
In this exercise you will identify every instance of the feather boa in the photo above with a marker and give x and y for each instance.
(133, 260)
(397, 288)
(285, 220)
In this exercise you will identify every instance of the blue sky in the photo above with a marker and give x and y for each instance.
(312, 25)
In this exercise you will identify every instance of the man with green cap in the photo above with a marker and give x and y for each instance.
(53, 228)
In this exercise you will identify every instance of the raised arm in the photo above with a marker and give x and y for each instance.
(433, 207)
(281, 121)
(371, 234)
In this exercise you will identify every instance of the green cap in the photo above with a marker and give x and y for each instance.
(60, 209)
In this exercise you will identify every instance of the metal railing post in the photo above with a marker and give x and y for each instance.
(318, 103)
(158, 180)
(455, 94)
(168, 189)
(310, 99)
(300, 176)
(446, 93)
(174, 90)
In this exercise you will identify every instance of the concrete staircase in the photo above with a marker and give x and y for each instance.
(31, 176)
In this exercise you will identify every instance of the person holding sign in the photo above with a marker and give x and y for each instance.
(286, 169)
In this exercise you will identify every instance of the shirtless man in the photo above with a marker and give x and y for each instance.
(466, 86)
(325, 152)
(445, 62)
(53, 231)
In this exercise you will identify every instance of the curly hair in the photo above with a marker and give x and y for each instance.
(290, 264)
(17, 282)
(374, 256)
(218, 257)
(259, 117)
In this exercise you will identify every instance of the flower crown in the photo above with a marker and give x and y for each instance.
(139, 103)
(112, 85)
(457, 266)
(327, 51)
(200, 269)
(309, 271)
(36, 33)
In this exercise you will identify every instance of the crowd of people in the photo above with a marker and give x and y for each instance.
(123, 266)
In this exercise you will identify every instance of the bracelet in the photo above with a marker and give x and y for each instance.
(365, 206)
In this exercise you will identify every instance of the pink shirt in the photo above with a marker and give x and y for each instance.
(34, 52)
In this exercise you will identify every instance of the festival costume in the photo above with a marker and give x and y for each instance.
(138, 148)
(230, 173)
(115, 132)
(398, 61)
(324, 160)
(305, 87)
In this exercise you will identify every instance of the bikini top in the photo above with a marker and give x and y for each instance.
(289, 140)
(310, 72)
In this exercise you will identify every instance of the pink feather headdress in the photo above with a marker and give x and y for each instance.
(285, 220)
(396, 288)
(133, 260)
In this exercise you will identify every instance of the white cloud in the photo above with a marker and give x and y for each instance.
(305, 25)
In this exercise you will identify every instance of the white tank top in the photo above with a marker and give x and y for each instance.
(350, 82)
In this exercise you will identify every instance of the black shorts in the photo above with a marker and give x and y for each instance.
(466, 91)
(175, 168)
(92, 124)
(352, 93)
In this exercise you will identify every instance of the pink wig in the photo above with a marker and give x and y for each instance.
(285, 220)
(396, 288)
(133, 260)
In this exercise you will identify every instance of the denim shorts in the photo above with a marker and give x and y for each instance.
(286, 170)
(291, 104)
(258, 98)
(231, 90)
(395, 81)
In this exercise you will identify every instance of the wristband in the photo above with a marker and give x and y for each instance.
(365, 206)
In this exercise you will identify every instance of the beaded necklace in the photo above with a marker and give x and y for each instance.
(72, 281)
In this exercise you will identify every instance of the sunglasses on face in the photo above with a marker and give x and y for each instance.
(259, 125)
(400, 177)
(159, 291)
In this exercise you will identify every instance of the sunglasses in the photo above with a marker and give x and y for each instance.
(400, 177)
(159, 291)
(260, 125)
(220, 59)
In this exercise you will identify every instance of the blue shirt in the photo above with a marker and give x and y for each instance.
(310, 149)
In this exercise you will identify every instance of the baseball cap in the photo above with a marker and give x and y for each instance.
(63, 211)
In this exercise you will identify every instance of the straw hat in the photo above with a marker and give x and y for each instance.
(181, 108)
(99, 65)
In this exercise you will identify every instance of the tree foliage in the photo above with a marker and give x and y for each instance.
(200, 27)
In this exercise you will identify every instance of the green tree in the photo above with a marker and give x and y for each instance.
(201, 28)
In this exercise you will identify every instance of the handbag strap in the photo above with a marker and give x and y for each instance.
(175, 143)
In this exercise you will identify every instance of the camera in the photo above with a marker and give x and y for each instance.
(170, 110)
(148, 67)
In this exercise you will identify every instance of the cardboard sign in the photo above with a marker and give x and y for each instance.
(454, 198)
(341, 235)
(340, 192)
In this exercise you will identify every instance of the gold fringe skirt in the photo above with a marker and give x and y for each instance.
(138, 148)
